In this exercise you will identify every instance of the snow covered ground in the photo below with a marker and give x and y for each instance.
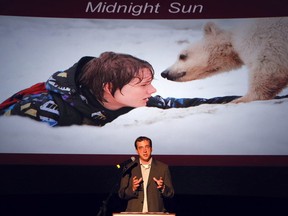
(34, 48)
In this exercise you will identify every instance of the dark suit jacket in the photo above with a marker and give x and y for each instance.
(154, 195)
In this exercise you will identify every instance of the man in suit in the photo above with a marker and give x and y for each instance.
(147, 182)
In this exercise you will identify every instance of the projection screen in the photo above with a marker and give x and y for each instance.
(39, 38)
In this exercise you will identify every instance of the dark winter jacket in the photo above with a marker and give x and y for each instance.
(65, 102)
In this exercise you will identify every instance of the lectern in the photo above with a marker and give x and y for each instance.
(143, 214)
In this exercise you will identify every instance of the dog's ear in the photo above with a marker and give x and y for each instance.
(211, 28)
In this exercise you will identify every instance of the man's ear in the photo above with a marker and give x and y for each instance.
(107, 87)
(136, 150)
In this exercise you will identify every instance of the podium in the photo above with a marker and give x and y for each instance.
(143, 214)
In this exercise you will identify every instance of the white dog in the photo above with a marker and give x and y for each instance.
(261, 45)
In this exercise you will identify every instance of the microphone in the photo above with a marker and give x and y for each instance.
(125, 163)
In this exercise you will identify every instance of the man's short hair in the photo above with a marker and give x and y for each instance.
(116, 69)
(142, 138)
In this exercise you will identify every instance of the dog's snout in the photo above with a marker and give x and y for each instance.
(164, 74)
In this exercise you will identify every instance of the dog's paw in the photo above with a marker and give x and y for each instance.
(243, 99)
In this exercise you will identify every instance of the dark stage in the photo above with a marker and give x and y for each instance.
(200, 190)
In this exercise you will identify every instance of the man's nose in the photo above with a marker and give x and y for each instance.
(152, 89)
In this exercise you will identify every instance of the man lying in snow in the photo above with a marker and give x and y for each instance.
(95, 91)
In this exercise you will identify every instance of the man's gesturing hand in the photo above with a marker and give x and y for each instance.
(136, 183)
(160, 183)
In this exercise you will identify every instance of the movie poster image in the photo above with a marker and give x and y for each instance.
(33, 48)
